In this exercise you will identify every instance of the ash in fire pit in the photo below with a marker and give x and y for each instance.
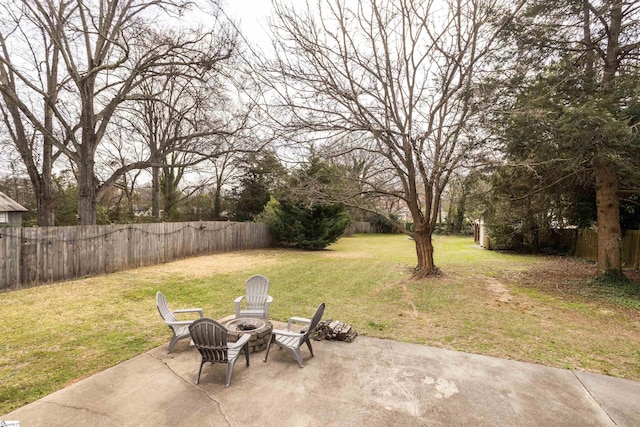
(245, 324)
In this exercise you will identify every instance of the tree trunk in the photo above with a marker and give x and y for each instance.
(87, 201)
(217, 200)
(607, 199)
(608, 208)
(169, 188)
(41, 180)
(45, 197)
(424, 251)
(155, 192)
(87, 196)
(45, 205)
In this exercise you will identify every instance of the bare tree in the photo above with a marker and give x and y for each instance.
(395, 79)
(106, 51)
(36, 146)
(168, 120)
(224, 169)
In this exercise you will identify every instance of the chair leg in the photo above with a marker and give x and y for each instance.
(298, 354)
(268, 347)
(172, 343)
(230, 363)
(200, 371)
(229, 371)
(309, 345)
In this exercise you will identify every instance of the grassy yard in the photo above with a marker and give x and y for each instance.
(534, 309)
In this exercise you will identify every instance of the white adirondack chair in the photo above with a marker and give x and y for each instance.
(180, 328)
(256, 300)
(292, 341)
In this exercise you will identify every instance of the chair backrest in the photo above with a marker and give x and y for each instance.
(163, 308)
(317, 316)
(210, 338)
(257, 290)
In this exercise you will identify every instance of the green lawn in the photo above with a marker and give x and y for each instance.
(527, 308)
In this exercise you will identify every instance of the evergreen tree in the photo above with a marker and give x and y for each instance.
(570, 114)
(260, 174)
(304, 216)
(306, 227)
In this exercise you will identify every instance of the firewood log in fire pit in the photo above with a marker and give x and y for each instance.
(334, 330)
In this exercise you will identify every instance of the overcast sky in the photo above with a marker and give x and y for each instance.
(251, 15)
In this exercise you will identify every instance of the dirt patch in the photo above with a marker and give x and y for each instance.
(498, 290)
(405, 296)
(501, 297)
(216, 264)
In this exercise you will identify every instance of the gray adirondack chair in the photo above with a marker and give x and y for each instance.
(292, 341)
(256, 300)
(180, 328)
(210, 338)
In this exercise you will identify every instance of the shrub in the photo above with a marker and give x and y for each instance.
(314, 227)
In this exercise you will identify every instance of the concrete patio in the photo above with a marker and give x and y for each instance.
(370, 382)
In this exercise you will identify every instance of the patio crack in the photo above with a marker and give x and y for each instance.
(193, 386)
(593, 398)
(81, 408)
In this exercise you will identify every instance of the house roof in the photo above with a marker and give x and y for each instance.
(7, 204)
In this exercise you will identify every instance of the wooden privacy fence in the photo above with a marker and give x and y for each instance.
(581, 243)
(37, 255)
(359, 227)
(587, 246)
(631, 249)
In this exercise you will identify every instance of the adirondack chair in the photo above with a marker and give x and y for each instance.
(180, 328)
(256, 300)
(292, 341)
(210, 338)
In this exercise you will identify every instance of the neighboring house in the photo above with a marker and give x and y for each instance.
(10, 212)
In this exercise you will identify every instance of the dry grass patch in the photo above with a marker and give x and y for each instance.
(205, 266)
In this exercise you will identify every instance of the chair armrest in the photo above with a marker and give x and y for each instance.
(286, 333)
(244, 338)
(237, 302)
(267, 303)
(180, 323)
(299, 320)
(190, 310)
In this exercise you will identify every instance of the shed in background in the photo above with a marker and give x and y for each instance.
(10, 212)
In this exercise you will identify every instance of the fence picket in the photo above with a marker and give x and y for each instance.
(631, 249)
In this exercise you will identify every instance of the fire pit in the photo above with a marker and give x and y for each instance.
(259, 329)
